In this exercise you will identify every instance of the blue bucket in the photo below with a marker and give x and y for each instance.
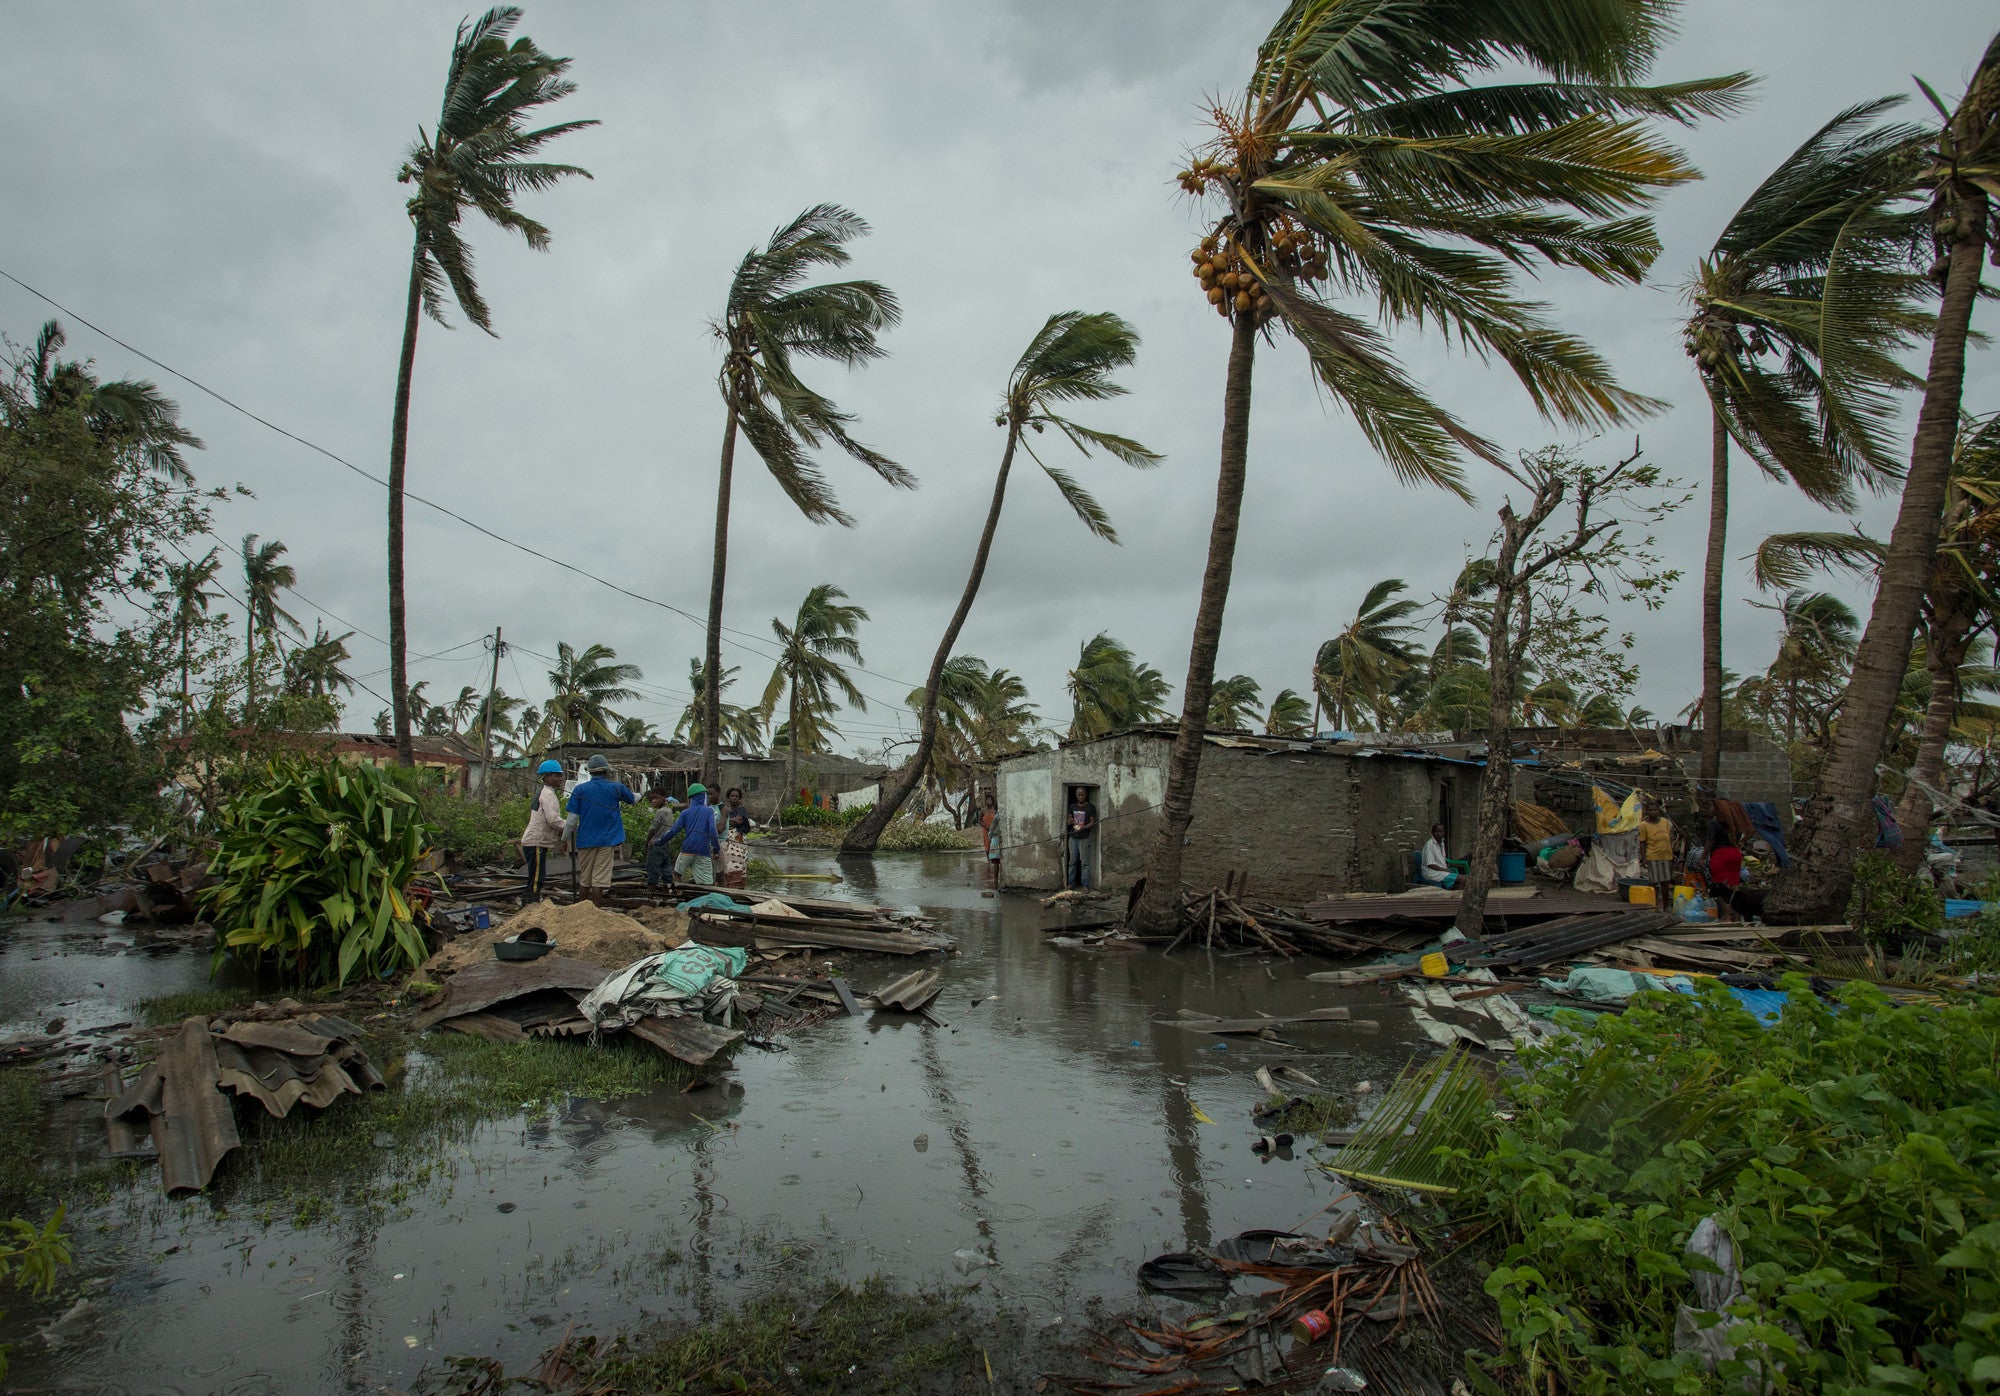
(1513, 867)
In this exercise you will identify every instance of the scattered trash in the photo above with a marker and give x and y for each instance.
(1183, 1273)
(1310, 1327)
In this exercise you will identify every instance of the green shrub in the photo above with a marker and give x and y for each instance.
(909, 836)
(29, 1256)
(469, 830)
(1848, 1151)
(1889, 905)
(310, 872)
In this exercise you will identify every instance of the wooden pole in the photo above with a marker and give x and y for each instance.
(486, 724)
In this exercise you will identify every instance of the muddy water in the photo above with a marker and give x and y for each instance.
(1042, 1145)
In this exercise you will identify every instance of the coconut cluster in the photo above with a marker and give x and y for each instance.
(1233, 287)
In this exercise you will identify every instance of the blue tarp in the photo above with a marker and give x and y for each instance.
(1956, 910)
(1764, 819)
(1765, 1005)
(712, 901)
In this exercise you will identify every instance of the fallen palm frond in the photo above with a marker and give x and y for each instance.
(1431, 1124)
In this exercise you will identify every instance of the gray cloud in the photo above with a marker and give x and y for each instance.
(217, 186)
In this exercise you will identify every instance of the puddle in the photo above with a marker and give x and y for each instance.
(1042, 1146)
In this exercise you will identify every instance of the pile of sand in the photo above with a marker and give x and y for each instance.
(580, 931)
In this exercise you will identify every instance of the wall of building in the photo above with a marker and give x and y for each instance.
(1301, 824)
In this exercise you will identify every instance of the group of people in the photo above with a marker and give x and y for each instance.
(1721, 864)
(593, 832)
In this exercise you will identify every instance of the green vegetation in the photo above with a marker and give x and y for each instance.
(813, 817)
(903, 836)
(310, 873)
(1846, 1151)
(835, 1338)
(193, 1003)
(467, 829)
(29, 1256)
(1887, 904)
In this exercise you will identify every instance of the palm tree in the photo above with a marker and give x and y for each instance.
(314, 670)
(742, 728)
(1233, 702)
(187, 585)
(770, 320)
(1815, 648)
(126, 413)
(635, 730)
(496, 716)
(1109, 689)
(1796, 320)
(1354, 671)
(1362, 153)
(1463, 611)
(584, 684)
(477, 159)
(983, 714)
(811, 672)
(1955, 186)
(1071, 359)
(264, 576)
(1289, 715)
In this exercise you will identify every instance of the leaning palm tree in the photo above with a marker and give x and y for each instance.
(583, 686)
(1289, 715)
(1233, 702)
(771, 320)
(187, 586)
(477, 159)
(1954, 188)
(812, 657)
(264, 576)
(1365, 158)
(1071, 359)
(1796, 321)
(1111, 688)
(1355, 670)
(126, 413)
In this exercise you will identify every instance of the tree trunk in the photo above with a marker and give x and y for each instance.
(1815, 888)
(1159, 908)
(187, 711)
(1950, 638)
(399, 452)
(1504, 642)
(867, 832)
(711, 693)
(792, 743)
(1711, 605)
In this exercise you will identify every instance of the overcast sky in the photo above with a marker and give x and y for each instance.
(215, 184)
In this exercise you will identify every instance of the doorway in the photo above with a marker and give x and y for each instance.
(1093, 848)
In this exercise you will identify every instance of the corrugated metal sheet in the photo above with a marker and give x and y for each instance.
(193, 1124)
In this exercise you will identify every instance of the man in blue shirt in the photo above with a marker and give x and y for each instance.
(696, 862)
(600, 827)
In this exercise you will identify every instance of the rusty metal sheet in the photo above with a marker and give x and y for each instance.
(493, 982)
(281, 1080)
(294, 1038)
(194, 1126)
(125, 1138)
(686, 1039)
(486, 1025)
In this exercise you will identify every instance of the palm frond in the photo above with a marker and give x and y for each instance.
(1785, 560)
(1433, 1123)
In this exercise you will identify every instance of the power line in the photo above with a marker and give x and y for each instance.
(234, 406)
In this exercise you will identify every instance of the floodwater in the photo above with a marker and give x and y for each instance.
(1041, 1146)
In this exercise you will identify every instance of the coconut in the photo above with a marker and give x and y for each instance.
(1242, 300)
(1215, 295)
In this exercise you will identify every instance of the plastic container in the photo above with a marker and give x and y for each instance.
(1682, 896)
(482, 919)
(1513, 867)
(1435, 965)
(1640, 895)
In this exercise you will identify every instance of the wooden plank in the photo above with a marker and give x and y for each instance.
(685, 1039)
(813, 937)
(1237, 1027)
(846, 997)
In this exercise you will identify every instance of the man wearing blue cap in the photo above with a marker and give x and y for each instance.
(600, 827)
(544, 833)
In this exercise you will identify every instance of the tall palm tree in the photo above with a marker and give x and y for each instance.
(1233, 701)
(1815, 647)
(313, 670)
(583, 686)
(983, 714)
(635, 730)
(187, 586)
(1364, 153)
(1463, 612)
(1071, 359)
(1110, 688)
(811, 672)
(771, 320)
(742, 728)
(264, 576)
(127, 413)
(1354, 671)
(1288, 716)
(497, 714)
(1796, 320)
(1955, 186)
(477, 159)
(461, 708)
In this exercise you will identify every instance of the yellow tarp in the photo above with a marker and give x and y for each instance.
(1612, 817)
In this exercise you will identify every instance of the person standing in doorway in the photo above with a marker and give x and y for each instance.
(600, 827)
(544, 834)
(1656, 847)
(989, 829)
(659, 870)
(1081, 824)
(701, 838)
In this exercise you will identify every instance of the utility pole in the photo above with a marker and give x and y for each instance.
(486, 724)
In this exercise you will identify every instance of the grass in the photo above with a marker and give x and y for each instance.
(195, 1003)
(34, 1176)
(833, 1338)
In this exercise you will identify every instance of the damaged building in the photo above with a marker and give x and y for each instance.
(1345, 813)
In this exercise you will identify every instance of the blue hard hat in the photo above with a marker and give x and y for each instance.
(549, 768)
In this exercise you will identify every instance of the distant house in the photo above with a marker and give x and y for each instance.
(452, 757)
(672, 767)
(1345, 813)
